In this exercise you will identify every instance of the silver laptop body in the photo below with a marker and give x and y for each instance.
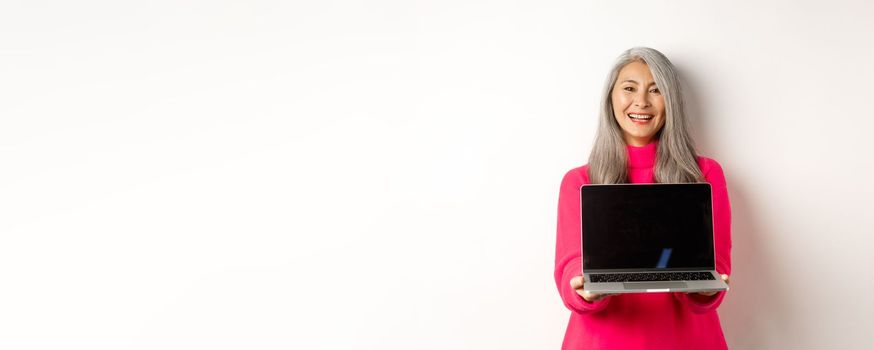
(646, 238)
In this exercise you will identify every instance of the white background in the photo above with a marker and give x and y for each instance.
(384, 174)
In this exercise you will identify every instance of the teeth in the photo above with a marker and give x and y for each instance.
(640, 116)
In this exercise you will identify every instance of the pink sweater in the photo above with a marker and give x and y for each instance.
(639, 321)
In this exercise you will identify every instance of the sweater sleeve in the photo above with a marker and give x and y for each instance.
(568, 257)
(722, 235)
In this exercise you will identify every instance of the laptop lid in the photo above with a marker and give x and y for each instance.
(647, 227)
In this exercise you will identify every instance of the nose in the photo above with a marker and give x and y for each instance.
(641, 99)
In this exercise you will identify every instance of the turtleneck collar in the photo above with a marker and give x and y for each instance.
(643, 156)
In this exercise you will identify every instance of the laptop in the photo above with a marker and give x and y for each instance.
(646, 238)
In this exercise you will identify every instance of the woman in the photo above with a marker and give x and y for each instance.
(642, 138)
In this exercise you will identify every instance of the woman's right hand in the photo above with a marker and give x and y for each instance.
(577, 285)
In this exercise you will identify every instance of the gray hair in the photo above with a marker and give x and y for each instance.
(675, 157)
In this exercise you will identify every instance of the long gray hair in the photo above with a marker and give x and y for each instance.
(675, 157)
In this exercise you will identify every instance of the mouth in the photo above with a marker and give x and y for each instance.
(640, 118)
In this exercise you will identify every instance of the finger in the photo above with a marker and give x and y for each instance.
(602, 296)
(591, 296)
(725, 278)
(577, 282)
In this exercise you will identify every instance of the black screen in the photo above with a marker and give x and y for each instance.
(647, 227)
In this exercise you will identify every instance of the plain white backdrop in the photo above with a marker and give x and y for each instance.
(384, 174)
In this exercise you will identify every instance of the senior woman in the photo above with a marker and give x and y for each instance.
(642, 138)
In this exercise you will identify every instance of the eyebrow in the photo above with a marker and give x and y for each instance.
(633, 81)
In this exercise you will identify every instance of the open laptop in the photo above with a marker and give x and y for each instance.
(644, 238)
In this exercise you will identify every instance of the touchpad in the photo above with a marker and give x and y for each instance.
(654, 285)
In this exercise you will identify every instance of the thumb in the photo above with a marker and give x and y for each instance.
(577, 282)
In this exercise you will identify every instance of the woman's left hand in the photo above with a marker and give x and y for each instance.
(710, 294)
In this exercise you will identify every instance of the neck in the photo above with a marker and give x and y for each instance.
(638, 142)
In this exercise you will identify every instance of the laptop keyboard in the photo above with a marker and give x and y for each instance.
(651, 276)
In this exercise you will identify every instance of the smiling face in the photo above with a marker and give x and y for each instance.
(638, 105)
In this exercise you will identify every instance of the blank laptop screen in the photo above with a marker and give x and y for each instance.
(647, 227)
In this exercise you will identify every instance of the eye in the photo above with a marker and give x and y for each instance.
(655, 91)
(628, 88)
